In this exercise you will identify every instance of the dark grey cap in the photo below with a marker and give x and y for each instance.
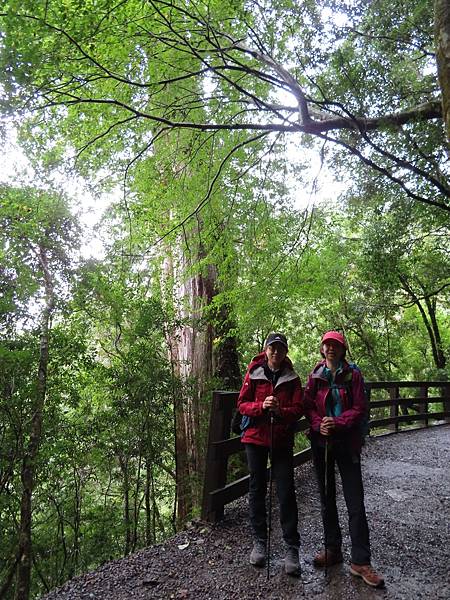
(275, 337)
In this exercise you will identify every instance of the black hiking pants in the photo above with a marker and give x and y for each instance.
(283, 475)
(349, 466)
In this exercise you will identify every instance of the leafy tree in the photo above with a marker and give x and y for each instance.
(196, 109)
(361, 78)
(198, 93)
(408, 263)
(35, 228)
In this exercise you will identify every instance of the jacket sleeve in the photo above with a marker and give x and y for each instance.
(353, 415)
(294, 411)
(310, 405)
(246, 401)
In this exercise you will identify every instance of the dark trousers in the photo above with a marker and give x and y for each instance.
(283, 475)
(349, 466)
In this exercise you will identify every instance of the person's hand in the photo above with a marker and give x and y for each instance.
(327, 426)
(271, 403)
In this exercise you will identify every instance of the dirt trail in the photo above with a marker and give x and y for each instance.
(407, 486)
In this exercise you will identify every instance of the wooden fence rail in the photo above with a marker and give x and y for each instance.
(217, 492)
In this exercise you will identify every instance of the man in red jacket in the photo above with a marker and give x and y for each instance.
(271, 386)
(335, 408)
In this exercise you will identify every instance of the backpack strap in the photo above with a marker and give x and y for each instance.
(364, 425)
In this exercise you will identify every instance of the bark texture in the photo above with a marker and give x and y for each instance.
(442, 39)
(193, 354)
(29, 466)
(202, 348)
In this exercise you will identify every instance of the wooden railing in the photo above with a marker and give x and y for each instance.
(217, 492)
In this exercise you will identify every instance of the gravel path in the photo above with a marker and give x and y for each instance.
(407, 486)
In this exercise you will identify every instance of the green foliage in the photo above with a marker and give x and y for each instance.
(143, 95)
(31, 220)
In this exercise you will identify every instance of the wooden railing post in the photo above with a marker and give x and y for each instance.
(368, 398)
(423, 404)
(446, 402)
(222, 407)
(394, 393)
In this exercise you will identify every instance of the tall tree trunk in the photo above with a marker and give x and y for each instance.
(201, 348)
(78, 485)
(124, 467)
(440, 356)
(149, 521)
(28, 474)
(442, 42)
(137, 502)
(430, 323)
(183, 496)
(193, 360)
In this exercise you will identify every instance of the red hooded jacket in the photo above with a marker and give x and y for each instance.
(255, 389)
(347, 425)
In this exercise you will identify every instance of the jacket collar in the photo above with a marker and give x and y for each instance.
(319, 370)
(287, 373)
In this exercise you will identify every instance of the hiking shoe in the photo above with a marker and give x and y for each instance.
(333, 557)
(368, 574)
(291, 562)
(258, 553)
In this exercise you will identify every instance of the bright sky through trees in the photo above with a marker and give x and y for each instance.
(16, 169)
(322, 187)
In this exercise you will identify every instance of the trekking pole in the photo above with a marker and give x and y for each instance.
(269, 528)
(326, 506)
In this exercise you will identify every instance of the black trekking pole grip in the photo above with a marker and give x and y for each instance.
(269, 528)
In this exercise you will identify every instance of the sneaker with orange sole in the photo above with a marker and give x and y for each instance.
(368, 575)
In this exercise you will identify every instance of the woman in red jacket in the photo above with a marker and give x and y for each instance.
(272, 387)
(335, 408)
